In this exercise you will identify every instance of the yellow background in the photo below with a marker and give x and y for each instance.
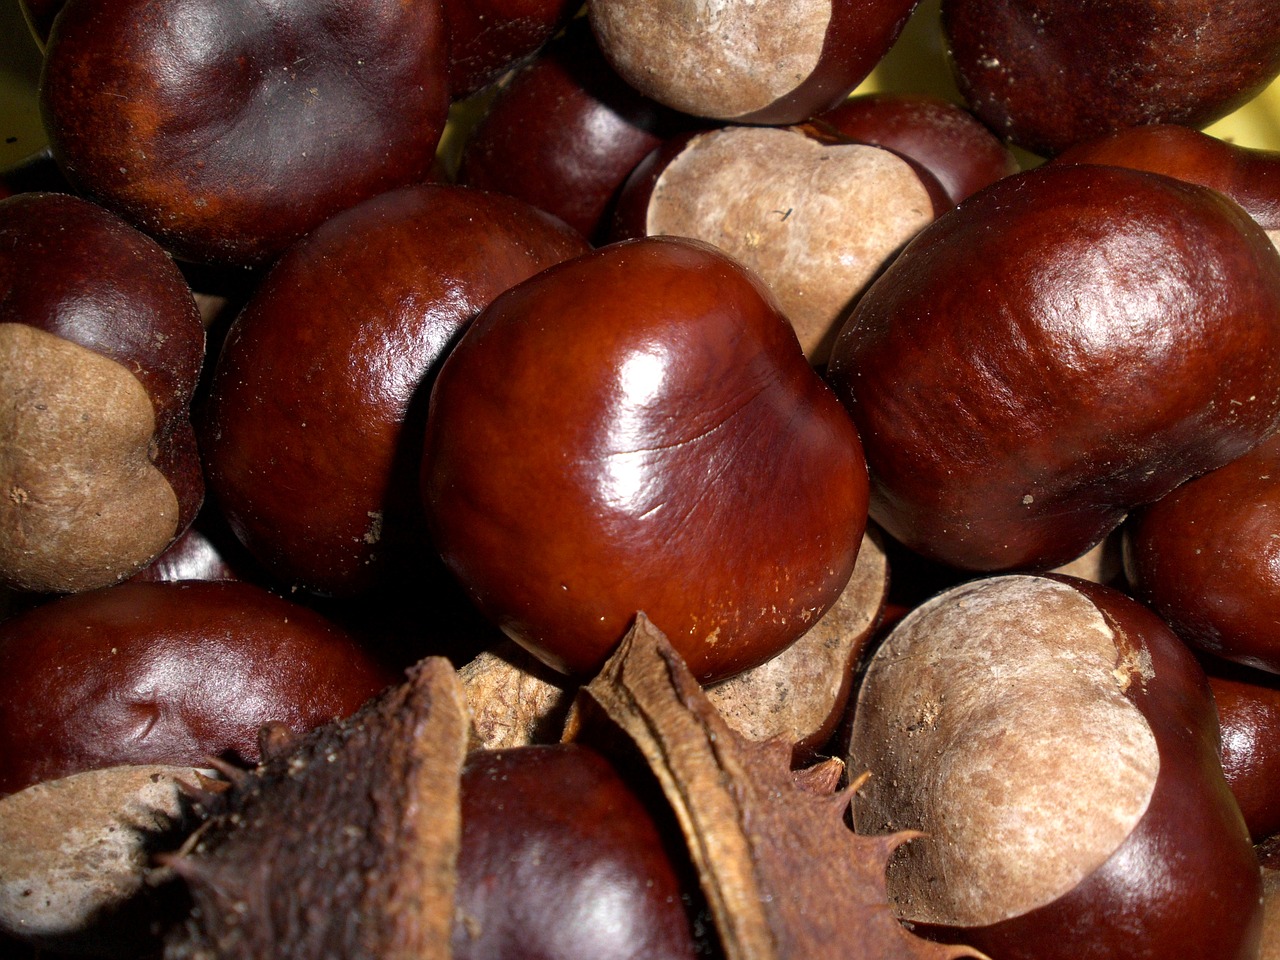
(916, 64)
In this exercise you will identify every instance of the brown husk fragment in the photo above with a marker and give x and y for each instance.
(344, 845)
(784, 876)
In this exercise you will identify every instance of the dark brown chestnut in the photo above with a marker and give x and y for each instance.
(637, 429)
(489, 37)
(1046, 74)
(315, 412)
(167, 673)
(100, 350)
(1067, 344)
(228, 130)
(1248, 703)
(1057, 746)
(561, 858)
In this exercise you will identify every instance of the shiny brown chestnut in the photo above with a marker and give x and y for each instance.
(564, 132)
(229, 129)
(100, 350)
(1068, 344)
(637, 429)
(489, 37)
(813, 214)
(770, 62)
(1046, 74)
(562, 858)
(1248, 703)
(1058, 746)
(1207, 559)
(1248, 175)
(167, 673)
(315, 411)
(944, 137)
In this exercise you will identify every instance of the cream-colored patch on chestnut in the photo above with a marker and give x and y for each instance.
(815, 221)
(81, 504)
(1275, 238)
(713, 58)
(994, 719)
(75, 849)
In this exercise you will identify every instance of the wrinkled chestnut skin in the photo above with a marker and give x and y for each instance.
(637, 429)
(1046, 74)
(1202, 902)
(949, 141)
(561, 859)
(317, 403)
(167, 673)
(489, 37)
(1249, 717)
(73, 270)
(564, 133)
(1249, 176)
(1068, 344)
(1206, 558)
(227, 130)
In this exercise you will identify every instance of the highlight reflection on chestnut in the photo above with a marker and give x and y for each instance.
(637, 429)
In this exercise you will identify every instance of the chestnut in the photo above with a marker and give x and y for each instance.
(636, 429)
(1046, 74)
(312, 427)
(1067, 344)
(101, 347)
(561, 858)
(489, 37)
(1248, 703)
(170, 673)
(229, 129)
(769, 62)
(1207, 559)
(1057, 746)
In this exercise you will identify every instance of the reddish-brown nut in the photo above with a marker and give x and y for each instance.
(1068, 344)
(1057, 745)
(815, 216)
(944, 137)
(1049, 73)
(564, 132)
(167, 673)
(229, 129)
(1248, 704)
(562, 858)
(489, 37)
(773, 61)
(637, 429)
(1250, 176)
(1207, 558)
(314, 418)
(100, 350)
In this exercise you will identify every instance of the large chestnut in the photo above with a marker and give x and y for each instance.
(316, 407)
(1065, 345)
(1049, 73)
(561, 858)
(170, 673)
(638, 430)
(100, 350)
(1057, 745)
(229, 129)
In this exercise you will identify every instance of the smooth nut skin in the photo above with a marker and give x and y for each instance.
(228, 130)
(167, 673)
(637, 429)
(319, 396)
(1248, 704)
(1068, 344)
(564, 132)
(561, 859)
(1185, 882)
(1049, 73)
(1206, 558)
(489, 37)
(93, 287)
(1249, 176)
(949, 141)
